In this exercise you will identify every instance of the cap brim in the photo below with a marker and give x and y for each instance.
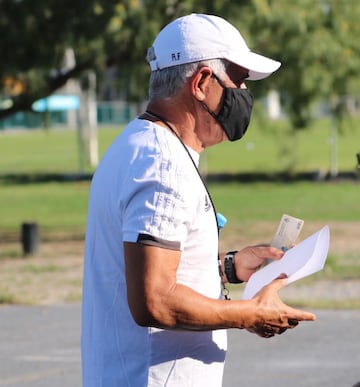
(259, 66)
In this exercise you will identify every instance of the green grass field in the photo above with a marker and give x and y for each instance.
(61, 206)
(253, 209)
(264, 150)
(308, 200)
(275, 148)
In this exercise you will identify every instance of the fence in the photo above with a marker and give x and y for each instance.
(108, 113)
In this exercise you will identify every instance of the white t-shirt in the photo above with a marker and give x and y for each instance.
(146, 188)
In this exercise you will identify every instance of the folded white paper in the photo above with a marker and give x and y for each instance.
(306, 258)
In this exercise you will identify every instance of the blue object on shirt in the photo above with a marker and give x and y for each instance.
(221, 220)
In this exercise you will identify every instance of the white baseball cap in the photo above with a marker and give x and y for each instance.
(199, 37)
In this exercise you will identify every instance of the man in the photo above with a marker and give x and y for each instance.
(153, 314)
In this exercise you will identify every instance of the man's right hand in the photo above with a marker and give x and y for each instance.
(273, 316)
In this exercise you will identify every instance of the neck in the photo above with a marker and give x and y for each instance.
(176, 119)
(164, 121)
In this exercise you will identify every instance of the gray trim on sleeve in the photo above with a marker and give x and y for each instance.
(150, 240)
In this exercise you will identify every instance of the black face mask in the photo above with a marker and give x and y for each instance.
(235, 113)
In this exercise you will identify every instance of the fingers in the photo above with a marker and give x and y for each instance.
(273, 330)
(292, 323)
(252, 258)
(267, 331)
(262, 333)
(277, 317)
(265, 252)
(304, 316)
(278, 283)
(267, 335)
(294, 316)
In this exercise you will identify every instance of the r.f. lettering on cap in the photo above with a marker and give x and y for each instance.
(175, 56)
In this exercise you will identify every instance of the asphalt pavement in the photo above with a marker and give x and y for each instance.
(39, 347)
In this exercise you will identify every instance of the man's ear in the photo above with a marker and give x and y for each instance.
(200, 83)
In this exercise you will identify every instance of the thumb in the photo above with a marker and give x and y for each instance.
(279, 282)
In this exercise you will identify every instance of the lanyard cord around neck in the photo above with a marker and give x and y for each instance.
(225, 291)
(192, 160)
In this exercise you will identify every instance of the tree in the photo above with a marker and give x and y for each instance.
(315, 41)
(102, 34)
(35, 35)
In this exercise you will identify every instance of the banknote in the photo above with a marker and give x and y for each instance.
(287, 232)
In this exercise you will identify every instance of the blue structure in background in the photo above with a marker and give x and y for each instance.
(108, 113)
(57, 103)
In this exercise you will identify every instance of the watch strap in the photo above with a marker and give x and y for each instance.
(229, 268)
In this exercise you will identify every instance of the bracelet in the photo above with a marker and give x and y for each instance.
(229, 266)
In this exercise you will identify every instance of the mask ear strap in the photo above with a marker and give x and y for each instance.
(219, 81)
(213, 115)
(208, 110)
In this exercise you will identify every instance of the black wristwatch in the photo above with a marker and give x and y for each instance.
(229, 266)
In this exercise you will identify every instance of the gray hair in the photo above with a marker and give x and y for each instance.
(167, 82)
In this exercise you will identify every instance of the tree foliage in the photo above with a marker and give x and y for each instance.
(314, 39)
(316, 42)
(35, 35)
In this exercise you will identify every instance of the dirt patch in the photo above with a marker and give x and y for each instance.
(54, 275)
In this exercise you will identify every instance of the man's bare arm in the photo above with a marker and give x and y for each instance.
(156, 299)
